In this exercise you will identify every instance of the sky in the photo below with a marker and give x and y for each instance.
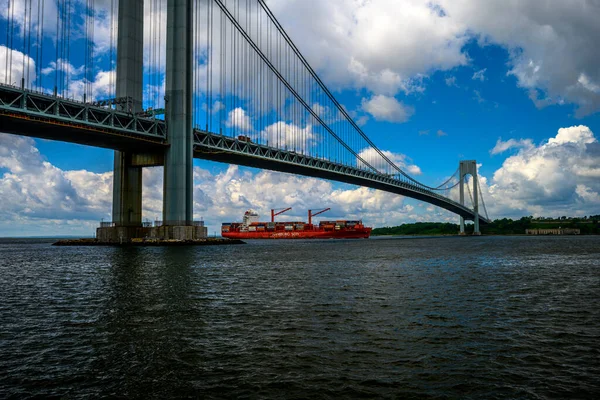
(514, 85)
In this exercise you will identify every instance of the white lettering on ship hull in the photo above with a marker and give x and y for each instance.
(279, 235)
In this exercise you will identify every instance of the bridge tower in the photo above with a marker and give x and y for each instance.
(469, 167)
(178, 157)
(127, 179)
(178, 173)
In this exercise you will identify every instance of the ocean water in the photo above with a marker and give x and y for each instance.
(464, 318)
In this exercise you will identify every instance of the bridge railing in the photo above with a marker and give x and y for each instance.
(207, 143)
(42, 106)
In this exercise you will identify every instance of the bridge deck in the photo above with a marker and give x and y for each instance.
(45, 116)
(225, 149)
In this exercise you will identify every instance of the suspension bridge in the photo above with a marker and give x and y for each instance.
(164, 81)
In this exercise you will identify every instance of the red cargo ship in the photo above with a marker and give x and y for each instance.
(251, 228)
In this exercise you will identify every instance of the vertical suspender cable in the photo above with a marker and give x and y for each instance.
(40, 58)
(260, 69)
(92, 66)
(220, 72)
(482, 201)
(157, 78)
(8, 47)
(59, 43)
(66, 65)
(197, 49)
(238, 60)
(206, 63)
(24, 44)
(91, 49)
(62, 48)
(63, 67)
(57, 48)
(230, 88)
(155, 50)
(234, 69)
(195, 65)
(154, 70)
(12, 38)
(279, 89)
(64, 61)
(148, 72)
(233, 72)
(89, 46)
(224, 72)
(210, 64)
(110, 50)
(160, 54)
(69, 47)
(247, 67)
(87, 49)
(29, 58)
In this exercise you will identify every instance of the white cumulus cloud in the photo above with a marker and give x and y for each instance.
(388, 46)
(20, 67)
(39, 198)
(537, 34)
(289, 136)
(373, 158)
(238, 118)
(384, 46)
(384, 108)
(558, 176)
(502, 146)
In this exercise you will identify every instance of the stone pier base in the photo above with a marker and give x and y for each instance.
(124, 234)
(179, 232)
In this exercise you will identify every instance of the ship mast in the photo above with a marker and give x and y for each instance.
(279, 211)
(310, 214)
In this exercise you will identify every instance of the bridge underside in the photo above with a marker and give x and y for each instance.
(79, 134)
(248, 155)
(274, 165)
(149, 151)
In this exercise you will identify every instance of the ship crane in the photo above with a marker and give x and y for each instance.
(279, 211)
(311, 214)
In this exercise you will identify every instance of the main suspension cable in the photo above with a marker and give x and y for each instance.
(283, 81)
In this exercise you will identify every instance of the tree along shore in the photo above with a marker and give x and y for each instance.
(506, 226)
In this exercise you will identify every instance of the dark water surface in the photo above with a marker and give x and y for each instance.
(489, 317)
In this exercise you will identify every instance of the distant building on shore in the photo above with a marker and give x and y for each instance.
(559, 231)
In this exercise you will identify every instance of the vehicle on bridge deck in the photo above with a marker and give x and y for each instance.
(251, 228)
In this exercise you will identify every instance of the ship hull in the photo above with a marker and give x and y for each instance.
(315, 234)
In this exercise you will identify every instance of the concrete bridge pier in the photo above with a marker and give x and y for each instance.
(469, 167)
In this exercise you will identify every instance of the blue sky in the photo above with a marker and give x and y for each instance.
(514, 86)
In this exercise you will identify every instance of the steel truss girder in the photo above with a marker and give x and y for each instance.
(216, 142)
(42, 105)
(50, 108)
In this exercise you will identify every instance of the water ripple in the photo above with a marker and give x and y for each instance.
(468, 318)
